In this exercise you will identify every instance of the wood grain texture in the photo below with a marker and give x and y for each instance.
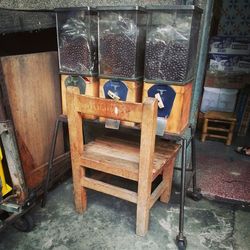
(167, 177)
(100, 186)
(33, 87)
(108, 108)
(139, 161)
(124, 156)
(225, 119)
(179, 116)
(147, 147)
(221, 116)
(75, 126)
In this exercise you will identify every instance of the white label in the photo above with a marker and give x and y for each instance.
(113, 95)
(160, 102)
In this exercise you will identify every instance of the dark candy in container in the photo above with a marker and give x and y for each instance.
(171, 43)
(121, 42)
(77, 40)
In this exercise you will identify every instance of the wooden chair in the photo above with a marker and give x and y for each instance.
(223, 123)
(141, 162)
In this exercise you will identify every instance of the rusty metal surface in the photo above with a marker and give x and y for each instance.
(14, 164)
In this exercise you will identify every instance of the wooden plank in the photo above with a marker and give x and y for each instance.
(108, 108)
(156, 194)
(124, 156)
(167, 177)
(75, 126)
(61, 166)
(219, 121)
(217, 115)
(33, 88)
(2, 111)
(147, 145)
(218, 129)
(111, 165)
(217, 136)
(109, 189)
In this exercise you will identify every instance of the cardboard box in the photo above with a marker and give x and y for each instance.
(230, 45)
(229, 63)
(219, 99)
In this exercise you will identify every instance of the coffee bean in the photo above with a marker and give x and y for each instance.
(118, 55)
(78, 51)
(166, 60)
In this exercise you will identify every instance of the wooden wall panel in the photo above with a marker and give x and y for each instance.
(33, 87)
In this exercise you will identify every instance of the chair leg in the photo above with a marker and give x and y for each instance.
(143, 206)
(142, 217)
(79, 190)
(167, 177)
(204, 130)
(230, 134)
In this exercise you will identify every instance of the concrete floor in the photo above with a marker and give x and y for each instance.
(109, 223)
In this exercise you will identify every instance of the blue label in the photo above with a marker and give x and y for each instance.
(167, 95)
(118, 87)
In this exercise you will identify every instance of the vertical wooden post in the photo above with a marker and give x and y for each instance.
(76, 148)
(204, 130)
(167, 177)
(148, 130)
(230, 133)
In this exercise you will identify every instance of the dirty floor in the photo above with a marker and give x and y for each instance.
(109, 223)
(222, 173)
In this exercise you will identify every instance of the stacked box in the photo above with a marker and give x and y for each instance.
(229, 63)
(230, 45)
(218, 99)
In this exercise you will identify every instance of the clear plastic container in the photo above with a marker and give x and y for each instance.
(122, 32)
(171, 43)
(77, 41)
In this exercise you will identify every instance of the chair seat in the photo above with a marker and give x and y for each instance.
(225, 116)
(121, 157)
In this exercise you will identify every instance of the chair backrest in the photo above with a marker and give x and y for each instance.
(144, 113)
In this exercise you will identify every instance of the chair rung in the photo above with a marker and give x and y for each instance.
(157, 193)
(218, 129)
(219, 121)
(119, 167)
(100, 186)
(217, 136)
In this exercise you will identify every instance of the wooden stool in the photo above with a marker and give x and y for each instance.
(219, 118)
(141, 162)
